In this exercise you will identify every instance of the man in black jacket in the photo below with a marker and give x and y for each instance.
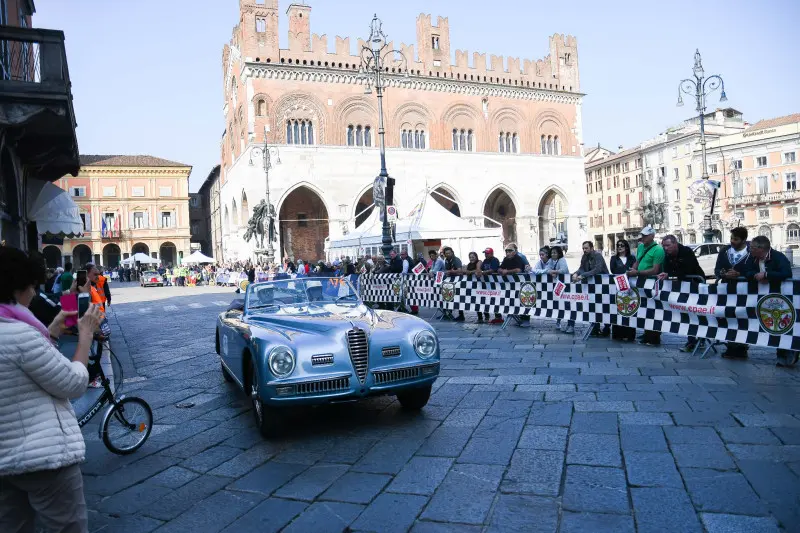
(680, 262)
(731, 266)
(767, 265)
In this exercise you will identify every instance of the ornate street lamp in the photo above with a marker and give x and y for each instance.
(265, 213)
(373, 72)
(700, 87)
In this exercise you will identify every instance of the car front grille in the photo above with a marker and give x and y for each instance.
(390, 376)
(359, 352)
(320, 360)
(327, 385)
(391, 351)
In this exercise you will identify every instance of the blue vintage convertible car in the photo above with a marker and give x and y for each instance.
(311, 341)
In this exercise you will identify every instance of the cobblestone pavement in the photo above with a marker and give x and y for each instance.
(528, 430)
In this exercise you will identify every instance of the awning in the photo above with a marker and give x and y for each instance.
(198, 257)
(140, 258)
(53, 210)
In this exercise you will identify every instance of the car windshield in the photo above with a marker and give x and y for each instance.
(151, 273)
(301, 291)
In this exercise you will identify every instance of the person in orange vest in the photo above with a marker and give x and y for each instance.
(100, 294)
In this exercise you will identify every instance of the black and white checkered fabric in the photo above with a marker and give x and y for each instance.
(749, 313)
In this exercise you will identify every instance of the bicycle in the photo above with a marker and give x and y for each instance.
(128, 421)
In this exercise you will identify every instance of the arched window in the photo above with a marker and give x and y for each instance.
(261, 108)
(501, 142)
(350, 135)
(299, 132)
(367, 136)
(515, 143)
(544, 144)
(549, 145)
(793, 233)
(557, 145)
(359, 136)
(455, 139)
(463, 140)
(415, 139)
(404, 139)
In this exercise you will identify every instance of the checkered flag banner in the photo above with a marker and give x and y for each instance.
(763, 314)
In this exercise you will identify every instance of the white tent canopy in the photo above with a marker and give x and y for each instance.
(429, 220)
(53, 210)
(140, 258)
(198, 257)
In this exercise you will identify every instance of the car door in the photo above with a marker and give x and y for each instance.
(707, 258)
(232, 342)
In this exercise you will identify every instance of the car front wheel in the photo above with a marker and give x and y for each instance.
(414, 399)
(269, 420)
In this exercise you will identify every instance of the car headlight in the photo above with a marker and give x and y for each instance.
(425, 344)
(281, 361)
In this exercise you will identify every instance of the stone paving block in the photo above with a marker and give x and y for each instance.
(471, 380)
(422, 475)
(390, 513)
(132, 499)
(563, 387)
(534, 472)
(722, 492)
(633, 396)
(355, 487)
(570, 396)
(214, 513)
(423, 526)
(580, 379)
(787, 435)
(468, 418)
(544, 438)
(523, 514)
(601, 387)
(450, 394)
(702, 456)
(520, 379)
(595, 489)
(608, 407)
(121, 524)
(325, 517)
(655, 507)
(652, 469)
(466, 494)
(503, 387)
(764, 420)
(495, 445)
(510, 408)
(594, 450)
(478, 400)
(267, 478)
(551, 414)
(642, 438)
(173, 504)
(173, 477)
(734, 523)
(349, 450)
(518, 395)
(389, 455)
(312, 482)
(749, 435)
(210, 458)
(778, 454)
(446, 442)
(594, 423)
(269, 516)
(692, 435)
(130, 475)
(645, 419)
(596, 523)
(664, 406)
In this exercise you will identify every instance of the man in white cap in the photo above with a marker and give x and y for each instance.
(649, 262)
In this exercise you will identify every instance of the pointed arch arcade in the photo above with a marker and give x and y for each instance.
(553, 209)
(500, 210)
(303, 224)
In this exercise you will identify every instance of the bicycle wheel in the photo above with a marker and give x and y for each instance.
(127, 425)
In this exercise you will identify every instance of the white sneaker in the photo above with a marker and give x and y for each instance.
(96, 383)
(569, 329)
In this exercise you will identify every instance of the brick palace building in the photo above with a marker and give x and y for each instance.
(499, 143)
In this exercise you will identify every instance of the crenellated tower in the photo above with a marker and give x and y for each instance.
(433, 43)
(258, 27)
(299, 27)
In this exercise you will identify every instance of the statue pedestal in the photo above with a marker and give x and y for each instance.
(263, 255)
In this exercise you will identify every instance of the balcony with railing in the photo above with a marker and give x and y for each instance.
(36, 100)
(762, 198)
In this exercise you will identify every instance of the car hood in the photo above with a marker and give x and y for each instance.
(325, 319)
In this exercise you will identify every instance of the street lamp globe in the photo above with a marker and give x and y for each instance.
(376, 34)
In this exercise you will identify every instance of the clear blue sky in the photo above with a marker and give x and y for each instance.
(147, 74)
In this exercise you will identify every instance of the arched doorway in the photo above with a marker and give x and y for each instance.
(234, 216)
(52, 256)
(304, 227)
(245, 209)
(140, 248)
(364, 207)
(81, 255)
(111, 255)
(168, 254)
(553, 219)
(447, 199)
(500, 211)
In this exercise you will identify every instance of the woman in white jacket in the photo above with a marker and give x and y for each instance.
(41, 444)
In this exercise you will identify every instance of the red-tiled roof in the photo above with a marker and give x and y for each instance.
(775, 122)
(128, 161)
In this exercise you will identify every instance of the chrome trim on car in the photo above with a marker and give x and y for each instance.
(383, 377)
(391, 351)
(358, 347)
(322, 359)
(323, 386)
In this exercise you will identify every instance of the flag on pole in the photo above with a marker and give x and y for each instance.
(116, 227)
(103, 228)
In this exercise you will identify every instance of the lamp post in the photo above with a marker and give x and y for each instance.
(700, 87)
(372, 71)
(266, 153)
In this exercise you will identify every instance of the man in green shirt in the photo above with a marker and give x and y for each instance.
(649, 262)
(66, 278)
